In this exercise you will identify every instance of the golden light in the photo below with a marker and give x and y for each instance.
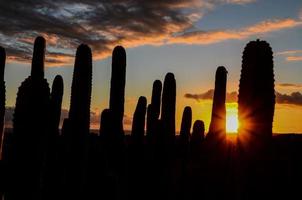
(232, 123)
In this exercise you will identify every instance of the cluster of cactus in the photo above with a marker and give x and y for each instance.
(256, 99)
(30, 125)
(2, 94)
(217, 128)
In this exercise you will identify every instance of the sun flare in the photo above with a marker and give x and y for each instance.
(232, 118)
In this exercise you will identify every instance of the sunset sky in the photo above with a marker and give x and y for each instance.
(190, 38)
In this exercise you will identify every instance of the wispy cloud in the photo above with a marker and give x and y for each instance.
(294, 58)
(104, 24)
(208, 95)
(289, 86)
(294, 98)
(209, 37)
(291, 55)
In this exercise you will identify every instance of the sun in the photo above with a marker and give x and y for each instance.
(232, 118)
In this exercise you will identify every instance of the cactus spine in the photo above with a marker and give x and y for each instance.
(117, 89)
(2, 95)
(138, 124)
(168, 106)
(218, 122)
(256, 99)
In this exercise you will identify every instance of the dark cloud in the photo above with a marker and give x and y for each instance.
(294, 98)
(289, 85)
(101, 24)
(208, 95)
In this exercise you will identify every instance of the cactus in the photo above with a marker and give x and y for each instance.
(117, 89)
(218, 122)
(30, 123)
(186, 125)
(256, 99)
(56, 103)
(153, 109)
(79, 112)
(138, 124)
(198, 132)
(168, 106)
(2, 95)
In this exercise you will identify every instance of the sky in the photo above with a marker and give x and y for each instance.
(190, 38)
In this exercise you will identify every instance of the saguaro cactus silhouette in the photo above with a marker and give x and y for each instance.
(153, 110)
(56, 102)
(256, 99)
(79, 112)
(218, 122)
(30, 125)
(168, 106)
(186, 124)
(198, 131)
(117, 89)
(76, 127)
(138, 124)
(2, 95)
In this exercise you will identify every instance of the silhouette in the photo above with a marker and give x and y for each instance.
(117, 89)
(30, 122)
(218, 122)
(42, 162)
(256, 99)
(76, 131)
(2, 94)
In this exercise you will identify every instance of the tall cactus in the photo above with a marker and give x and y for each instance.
(186, 124)
(168, 106)
(117, 89)
(56, 102)
(198, 132)
(138, 124)
(256, 99)
(79, 112)
(76, 127)
(30, 125)
(153, 109)
(2, 95)
(218, 122)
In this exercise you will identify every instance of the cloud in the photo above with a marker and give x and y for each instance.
(103, 24)
(291, 55)
(289, 86)
(209, 37)
(294, 98)
(294, 58)
(208, 95)
(289, 52)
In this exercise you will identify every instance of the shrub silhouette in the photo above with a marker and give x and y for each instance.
(30, 125)
(218, 121)
(117, 89)
(2, 95)
(256, 99)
